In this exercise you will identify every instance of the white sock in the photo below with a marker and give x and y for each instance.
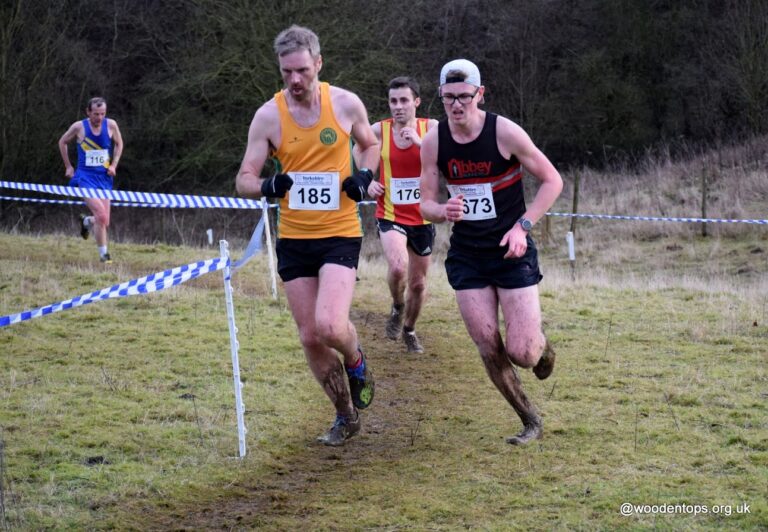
(88, 221)
(102, 250)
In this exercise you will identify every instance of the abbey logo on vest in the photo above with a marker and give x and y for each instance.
(328, 136)
(467, 169)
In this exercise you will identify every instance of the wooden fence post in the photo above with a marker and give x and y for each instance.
(704, 200)
(575, 208)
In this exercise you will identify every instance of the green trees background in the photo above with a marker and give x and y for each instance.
(591, 80)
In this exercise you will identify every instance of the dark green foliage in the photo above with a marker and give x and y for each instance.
(590, 80)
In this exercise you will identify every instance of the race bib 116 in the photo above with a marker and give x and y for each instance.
(97, 158)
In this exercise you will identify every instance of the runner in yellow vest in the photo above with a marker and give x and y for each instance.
(307, 129)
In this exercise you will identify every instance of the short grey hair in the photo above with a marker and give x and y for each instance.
(297, 38)
(97, 101)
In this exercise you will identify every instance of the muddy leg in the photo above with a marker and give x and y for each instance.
(479, 309)
(334, 383)
(504, 376)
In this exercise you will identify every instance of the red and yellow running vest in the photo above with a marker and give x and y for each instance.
(324, 149)
(399, 171)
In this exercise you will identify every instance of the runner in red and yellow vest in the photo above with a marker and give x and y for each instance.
(399, 172)
(315, 207)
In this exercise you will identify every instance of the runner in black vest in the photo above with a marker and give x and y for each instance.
(467, 168)
(492, 260)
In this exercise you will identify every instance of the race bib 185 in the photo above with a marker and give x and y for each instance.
(314, 191)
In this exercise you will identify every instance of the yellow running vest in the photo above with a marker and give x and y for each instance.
(318, 158)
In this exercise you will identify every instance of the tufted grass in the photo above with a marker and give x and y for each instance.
(120, 414)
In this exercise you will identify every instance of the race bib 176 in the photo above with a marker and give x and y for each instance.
(404, 190)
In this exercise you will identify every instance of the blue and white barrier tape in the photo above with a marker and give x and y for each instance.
(150, 283)
(148, 199)
(658, 218)
(75, 202)
(144, 285)
(253, 247)
(166, 200)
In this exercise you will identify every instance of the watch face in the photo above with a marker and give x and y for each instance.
(526, 224)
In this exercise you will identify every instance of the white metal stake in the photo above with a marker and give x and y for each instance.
(571, 253)
(234, 346)
(268, 234)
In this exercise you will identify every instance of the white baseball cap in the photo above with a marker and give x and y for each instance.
(461, 70)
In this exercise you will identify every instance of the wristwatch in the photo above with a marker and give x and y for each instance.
(526, 224)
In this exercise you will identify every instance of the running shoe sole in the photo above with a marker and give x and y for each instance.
(546, 364)
(362, 390)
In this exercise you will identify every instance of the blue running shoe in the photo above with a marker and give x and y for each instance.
(361, 385)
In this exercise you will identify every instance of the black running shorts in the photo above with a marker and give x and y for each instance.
(466, 271)
(303, 257)
(421, 238)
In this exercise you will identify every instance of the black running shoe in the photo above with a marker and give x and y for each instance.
(531, 431)
(106, 259)
(546, 364)
(412, 343)
(361, 385)
(84, 231)
(342, 430)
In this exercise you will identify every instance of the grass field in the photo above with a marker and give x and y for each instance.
(120, 414)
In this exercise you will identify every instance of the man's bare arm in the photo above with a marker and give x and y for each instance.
(361, 131)
(375, 189)
(117, 148)
(514, 140)
(70, 135)
(248, 181)
(431, 208)
(517, 141)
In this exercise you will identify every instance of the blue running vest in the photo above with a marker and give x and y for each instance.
(96, 165)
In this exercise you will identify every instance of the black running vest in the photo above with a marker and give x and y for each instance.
(479, 163)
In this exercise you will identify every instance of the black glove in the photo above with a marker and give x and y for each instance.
(276, 186)
(356, 185)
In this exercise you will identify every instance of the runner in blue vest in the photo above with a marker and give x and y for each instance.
(99, 147)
